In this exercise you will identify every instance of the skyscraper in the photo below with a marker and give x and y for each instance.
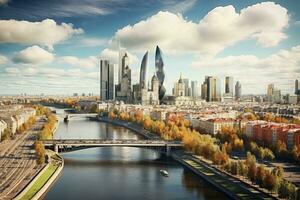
(213, 88)
(194, 89)
(121, 56)
(106, 80)
(204, 91)
(238, 90)
(143, 71)
(229, 85)
(160, 73)
(270, 91)
(186, 85)
(297, 91)
(123, 89)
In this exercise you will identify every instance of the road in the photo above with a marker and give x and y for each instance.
(18, 163)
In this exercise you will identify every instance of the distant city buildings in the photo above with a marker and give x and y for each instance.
(145, 93)
(273, 94)
(106, 80)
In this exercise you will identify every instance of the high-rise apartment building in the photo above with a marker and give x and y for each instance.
(106, 80)
(238, 90)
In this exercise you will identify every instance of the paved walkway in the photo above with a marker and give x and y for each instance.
(236, 187)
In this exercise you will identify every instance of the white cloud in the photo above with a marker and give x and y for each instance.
(33, 55)
(92, 42)
(3, 59)
(89, 62)
(113, 56)
(25, 71)
(3, 2)
(255, 73)
(46, 32)
(220, 28)
(179, 6)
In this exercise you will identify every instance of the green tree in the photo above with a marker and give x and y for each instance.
(287, 190)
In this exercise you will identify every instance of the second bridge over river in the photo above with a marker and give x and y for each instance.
(75, 144)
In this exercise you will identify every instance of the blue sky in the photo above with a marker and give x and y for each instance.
(54, 47)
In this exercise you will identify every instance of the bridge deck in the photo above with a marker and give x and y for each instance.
(111, 142)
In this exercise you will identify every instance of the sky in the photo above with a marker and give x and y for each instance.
(54, 47)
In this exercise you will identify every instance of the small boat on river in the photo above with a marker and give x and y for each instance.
(164, 172)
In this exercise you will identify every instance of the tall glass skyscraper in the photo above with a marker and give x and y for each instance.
(160, 73)
(229, 85)
(143, 71)
(106, 80)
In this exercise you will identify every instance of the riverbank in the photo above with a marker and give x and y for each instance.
(229, 185)
(40, 184)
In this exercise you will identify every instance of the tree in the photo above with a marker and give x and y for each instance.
(111, 115)
(287, 190)
(6, 134)
(296, 153)
(260, 175)
(278, 171)
(280, 148)
(270, 181)
(252, 171)
(40, 152)
(269, 154)
(221, 157)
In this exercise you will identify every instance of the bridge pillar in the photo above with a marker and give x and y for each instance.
(56, 148)
(168, 150)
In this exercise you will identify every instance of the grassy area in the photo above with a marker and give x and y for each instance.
(229, 185)
(38, 184)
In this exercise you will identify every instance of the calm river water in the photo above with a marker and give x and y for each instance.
(121, 172)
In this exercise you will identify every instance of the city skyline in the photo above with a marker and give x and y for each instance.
(58, 49)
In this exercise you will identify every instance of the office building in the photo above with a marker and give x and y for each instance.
(186, 86)
(213, 89)
(194, 89)
(160, 73)
(229, 85)
(106, 80)
(238, 90)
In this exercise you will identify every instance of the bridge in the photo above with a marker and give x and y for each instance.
(75, 144)
(72, 115)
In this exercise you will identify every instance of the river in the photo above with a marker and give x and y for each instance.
(121, 172)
